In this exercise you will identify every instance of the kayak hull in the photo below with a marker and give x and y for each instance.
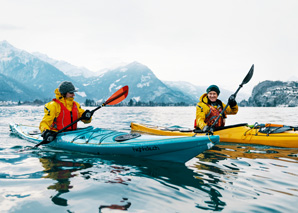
(235, 134)
(104, 142)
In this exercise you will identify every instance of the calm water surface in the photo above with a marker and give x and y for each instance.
(227, 178)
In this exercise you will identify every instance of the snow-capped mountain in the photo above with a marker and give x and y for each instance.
(30, 71)
(193, 91)
(12, 90)
(65, 67)
(37, 76)
(274, 93)
(144, 85)
(37, 73)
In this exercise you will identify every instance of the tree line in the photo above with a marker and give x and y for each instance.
(90, 102)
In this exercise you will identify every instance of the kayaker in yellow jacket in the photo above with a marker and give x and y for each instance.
(209, 108)
(62, 111)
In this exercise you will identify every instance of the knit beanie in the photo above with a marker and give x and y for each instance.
(213, 88)
(66, 86)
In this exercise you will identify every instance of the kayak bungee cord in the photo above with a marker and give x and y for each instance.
(210, 139)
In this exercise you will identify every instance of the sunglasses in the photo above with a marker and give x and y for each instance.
(71, 93)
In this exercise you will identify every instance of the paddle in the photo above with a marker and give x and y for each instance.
(116, 98)
(245, 81)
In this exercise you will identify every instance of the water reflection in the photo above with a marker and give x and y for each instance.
(251, 172)
(177, 176)
(208, 178)
(61, 170)
(208, 182)
(115, 206)
(125, 171)
(233, 151)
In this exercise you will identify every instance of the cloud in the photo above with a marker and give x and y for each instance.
(202, 42)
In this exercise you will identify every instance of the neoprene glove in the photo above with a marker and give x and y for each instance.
(206, 128)
(86, 115)
(49, 135)
(232, 102)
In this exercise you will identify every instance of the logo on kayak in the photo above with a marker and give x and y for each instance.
(145, 148)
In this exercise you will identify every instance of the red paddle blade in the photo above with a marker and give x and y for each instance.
(118, 96)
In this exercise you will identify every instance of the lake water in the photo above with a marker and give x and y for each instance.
(227, 178)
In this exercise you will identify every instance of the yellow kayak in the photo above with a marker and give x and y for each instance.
(267, 134)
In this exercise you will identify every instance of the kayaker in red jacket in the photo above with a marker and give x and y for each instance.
(62, 111)
(209, 108)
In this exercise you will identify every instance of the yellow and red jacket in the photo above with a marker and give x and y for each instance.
(53, 109)
(206, 114)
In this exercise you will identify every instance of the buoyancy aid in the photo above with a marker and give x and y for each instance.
(213, 114)
(65, 117)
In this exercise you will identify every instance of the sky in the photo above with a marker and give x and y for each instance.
(198, 41)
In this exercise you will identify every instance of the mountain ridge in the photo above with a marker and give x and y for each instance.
(26, 77)
(42, 76)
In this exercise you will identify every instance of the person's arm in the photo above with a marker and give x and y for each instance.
(50, 110)
(201, 113)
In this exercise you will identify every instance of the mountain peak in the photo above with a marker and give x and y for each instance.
(138, 68)
(9, 52)
(136, 64)
(4, 45)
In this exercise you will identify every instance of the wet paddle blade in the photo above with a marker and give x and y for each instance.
(118, 96)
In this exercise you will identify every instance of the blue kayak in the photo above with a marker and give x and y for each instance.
(108, 142)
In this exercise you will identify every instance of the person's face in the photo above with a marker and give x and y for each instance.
(212, 96)
(70, 95)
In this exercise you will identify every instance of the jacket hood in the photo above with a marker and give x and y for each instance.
(58, 94)
(204, 98)
(61, 98)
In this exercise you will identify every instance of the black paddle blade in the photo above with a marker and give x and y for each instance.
(42, 142)
(249, 75)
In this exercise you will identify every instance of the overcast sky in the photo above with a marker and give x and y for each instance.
(202, 42)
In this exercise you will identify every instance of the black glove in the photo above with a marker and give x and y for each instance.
(232, 102)
(49, 135)
(87, 115)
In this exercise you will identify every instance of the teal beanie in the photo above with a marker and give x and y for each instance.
(213, 88)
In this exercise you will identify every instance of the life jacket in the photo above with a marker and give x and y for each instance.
(213, 114)
(65, 117)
